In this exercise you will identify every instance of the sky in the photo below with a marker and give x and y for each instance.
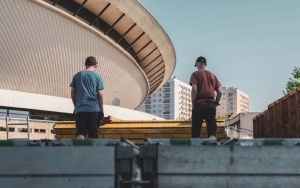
(250, 45)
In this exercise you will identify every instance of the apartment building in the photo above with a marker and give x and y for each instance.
(172, 101)
(233, 101)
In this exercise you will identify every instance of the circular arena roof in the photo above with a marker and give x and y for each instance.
(45, 42)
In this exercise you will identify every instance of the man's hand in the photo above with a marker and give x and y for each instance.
(216, 103)
(101, 115)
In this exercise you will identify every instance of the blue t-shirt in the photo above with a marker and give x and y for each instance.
(86, 85)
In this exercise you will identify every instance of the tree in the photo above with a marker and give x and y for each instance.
(293, 82)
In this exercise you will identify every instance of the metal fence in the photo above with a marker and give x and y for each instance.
(237, 133)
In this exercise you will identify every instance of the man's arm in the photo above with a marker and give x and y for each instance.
(73, 96)
(194, 94)
(218, 97)
(100, 98)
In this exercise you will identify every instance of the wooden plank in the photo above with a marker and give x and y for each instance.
(65, 136)
(149, 131)
(159, 130)
(278, 119)
(152, 131)
(255, 126)
(271, 121)
(298, 112)
(135, 130)
(267, 124)
(263, 126)
(285, 117)
(140, 131)
(259, 127)
(131, 124)
(65, 131)
(292, 114)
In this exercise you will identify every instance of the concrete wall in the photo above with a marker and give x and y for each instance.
(176, 163)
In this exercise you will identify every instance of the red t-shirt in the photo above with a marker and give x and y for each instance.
(207, 83)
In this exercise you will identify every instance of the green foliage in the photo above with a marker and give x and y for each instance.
(293, 82)
(85, 142)
(224, 117)
(180, 141)
(6, 143)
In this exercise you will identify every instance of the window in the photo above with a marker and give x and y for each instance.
(3, 112)
(22, 130)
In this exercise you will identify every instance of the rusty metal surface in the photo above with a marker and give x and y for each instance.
(281, 119)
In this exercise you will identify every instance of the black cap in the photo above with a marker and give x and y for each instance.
(201, 59)
(91, 61)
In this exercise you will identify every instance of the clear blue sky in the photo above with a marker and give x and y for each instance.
(250, 45)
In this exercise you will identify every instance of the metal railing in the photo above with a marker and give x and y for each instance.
(237, 133)
(7, 124)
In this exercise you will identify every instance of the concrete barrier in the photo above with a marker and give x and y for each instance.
(68, 164)
(160, 163)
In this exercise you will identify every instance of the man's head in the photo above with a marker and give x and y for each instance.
(202, 60)
(90, 61)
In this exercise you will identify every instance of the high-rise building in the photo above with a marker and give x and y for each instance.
(172, 101)
(233, 101)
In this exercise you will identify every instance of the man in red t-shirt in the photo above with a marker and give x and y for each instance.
(204, 102)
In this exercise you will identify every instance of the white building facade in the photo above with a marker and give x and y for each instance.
(172, 101)
(233, 101)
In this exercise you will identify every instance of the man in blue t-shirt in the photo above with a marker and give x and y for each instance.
(87, 97)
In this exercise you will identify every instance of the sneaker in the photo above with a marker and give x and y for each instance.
(80, 137)
(212, 136)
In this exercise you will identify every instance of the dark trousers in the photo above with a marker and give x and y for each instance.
(87, 123)
(204, 111)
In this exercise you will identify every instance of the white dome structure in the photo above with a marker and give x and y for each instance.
(45, 42)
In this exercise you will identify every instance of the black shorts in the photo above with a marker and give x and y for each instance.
(87, 123)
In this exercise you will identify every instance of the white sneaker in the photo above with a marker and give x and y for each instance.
(212, 136)
(80, 137)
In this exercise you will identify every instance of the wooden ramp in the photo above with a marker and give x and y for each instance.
(138, 131)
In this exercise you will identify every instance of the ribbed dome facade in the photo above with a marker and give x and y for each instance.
(44, 43)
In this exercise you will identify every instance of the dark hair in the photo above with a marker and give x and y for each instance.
(91, 61)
